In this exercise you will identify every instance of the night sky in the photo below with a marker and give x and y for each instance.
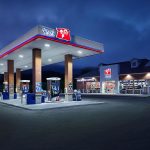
(123, 25)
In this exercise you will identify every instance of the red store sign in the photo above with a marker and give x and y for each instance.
(63, 33)
(107, 73)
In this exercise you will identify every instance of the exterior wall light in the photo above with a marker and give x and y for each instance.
(148, 74)
(93, 78)
(128, 76)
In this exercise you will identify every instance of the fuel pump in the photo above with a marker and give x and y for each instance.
(5, 89)
(69, 92)
(53, 88)
(24, 85)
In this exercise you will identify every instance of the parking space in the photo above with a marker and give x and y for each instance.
(120, 124)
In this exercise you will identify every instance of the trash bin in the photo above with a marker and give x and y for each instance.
(75, 95)
(15, 95)
(5, 95)
(79, 95)
(43, 99)
(24, 99)
(30, 98)
(1, 96)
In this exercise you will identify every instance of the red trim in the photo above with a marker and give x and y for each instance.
(51, 39)
(17, 47)
(69, 43)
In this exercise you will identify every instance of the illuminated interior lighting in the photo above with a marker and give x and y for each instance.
(1, 64)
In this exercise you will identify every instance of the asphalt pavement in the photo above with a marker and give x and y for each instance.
(118, 124)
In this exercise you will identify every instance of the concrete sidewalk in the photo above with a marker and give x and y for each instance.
(49, 105)
(117, 95)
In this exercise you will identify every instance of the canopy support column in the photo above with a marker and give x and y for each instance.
(10, 67)
(68, 77)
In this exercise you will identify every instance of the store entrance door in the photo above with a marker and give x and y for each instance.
(108, 87)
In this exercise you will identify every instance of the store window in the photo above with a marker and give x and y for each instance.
(93, 87)
(134, 87)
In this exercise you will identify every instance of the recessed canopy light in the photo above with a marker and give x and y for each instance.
(49, 60)
(79, 52)
(47, 45)
(26, 66)
(21, 56)
(2, 64)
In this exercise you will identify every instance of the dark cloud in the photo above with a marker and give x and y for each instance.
(122, 25)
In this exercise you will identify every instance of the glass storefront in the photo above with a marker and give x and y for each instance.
(88, 85)
(135, 86)
(92, 87)
(109, 79)
(109, 87)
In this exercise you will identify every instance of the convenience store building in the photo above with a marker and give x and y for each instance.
(129, 77)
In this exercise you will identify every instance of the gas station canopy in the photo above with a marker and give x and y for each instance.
(53, 49)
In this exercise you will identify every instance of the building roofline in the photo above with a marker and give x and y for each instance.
(135, 73)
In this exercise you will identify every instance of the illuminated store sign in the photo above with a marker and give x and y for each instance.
(63, 33)
(107, 73)
(60, 33)
(38, 87)
(49, 32)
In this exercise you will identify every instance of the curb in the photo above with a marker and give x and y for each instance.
(49, 108)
